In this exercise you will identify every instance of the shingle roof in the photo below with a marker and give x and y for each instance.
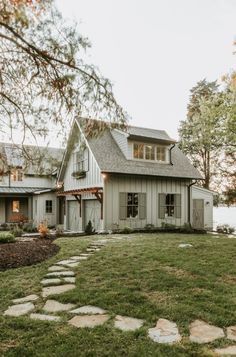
(160, 135)
(111, 159)
(47, 159)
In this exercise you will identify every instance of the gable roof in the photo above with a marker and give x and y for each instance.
(111, 160)
(47, 159)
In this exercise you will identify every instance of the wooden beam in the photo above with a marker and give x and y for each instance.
(79, 200)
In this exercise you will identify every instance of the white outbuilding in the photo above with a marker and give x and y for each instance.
(202, 207)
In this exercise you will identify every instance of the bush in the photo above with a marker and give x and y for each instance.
(126, 230)
(16, 232)
(43, 230)
(168, 226)
(225, 228)
(149, 226)
(29, 227)
(186, 228)
(89, 228)
(7, 238)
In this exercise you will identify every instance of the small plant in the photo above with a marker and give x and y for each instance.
(16, 232)
(43, 229)
(127, 230)
(29, 227)
(225, 228)
(59, 230)
(89, 228)
(186, 228)
(7, 237)
(4, 226)
(168, 226)
(149, 226)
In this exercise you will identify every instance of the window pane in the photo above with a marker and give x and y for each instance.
(48, 206)
(16, 206)
(161, 153)
(149, 152)
(138, 151)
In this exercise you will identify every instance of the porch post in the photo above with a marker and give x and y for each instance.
(30, 208)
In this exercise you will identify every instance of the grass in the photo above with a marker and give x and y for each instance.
(146, 276)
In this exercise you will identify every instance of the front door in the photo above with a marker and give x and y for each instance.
(198, 213)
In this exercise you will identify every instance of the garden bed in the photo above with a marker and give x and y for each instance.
(22, 253)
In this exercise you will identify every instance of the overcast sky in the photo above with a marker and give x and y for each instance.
(154, 51)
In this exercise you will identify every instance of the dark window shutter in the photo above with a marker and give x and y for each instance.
(178, 205)
(142, 202)
(123, 205)
(162, 203)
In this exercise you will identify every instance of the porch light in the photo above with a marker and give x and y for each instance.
(104, 176)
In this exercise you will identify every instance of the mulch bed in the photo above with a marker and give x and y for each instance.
(22, 253)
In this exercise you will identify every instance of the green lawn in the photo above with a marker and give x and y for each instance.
(146, 276)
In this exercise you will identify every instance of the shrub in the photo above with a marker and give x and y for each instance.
(43, 229)
(4, 226)
(225, 228)
(186, 228)
(6, 238)
(168, 226)
(127, 230)
(29, 227)
(89, 228)
(149, 226)
(16, 232)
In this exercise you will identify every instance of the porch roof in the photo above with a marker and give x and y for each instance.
(19, 190)
(80, 191)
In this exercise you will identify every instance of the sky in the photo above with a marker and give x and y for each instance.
(155, 51)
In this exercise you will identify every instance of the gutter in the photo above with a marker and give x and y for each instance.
(172, 147)
(189, 201)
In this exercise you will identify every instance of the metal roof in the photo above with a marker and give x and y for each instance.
(19, 190)
(149, 134)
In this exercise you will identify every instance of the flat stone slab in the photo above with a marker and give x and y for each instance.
(69, 280)
(56, 268)
(201, 332)
(79, 257)
(72, 265)
(55, 290)
(89, 310)
(61, 273)
(165, 332)
(88, 320)
(48, 282)
(63, 262)
(125, 323)
(19, 310)
(26, 299)
(185, 245)
(85, 254)
(43, 317)
(231, 333)
(226, 351)
(55, 306)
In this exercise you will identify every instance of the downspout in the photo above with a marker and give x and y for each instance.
(172, 147)
(189, 201)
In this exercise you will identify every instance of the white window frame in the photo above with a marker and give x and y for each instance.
(16, 175)
(155, 146)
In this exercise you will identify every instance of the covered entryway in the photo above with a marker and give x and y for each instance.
(73, 216)
(92, 212)
(198, 213)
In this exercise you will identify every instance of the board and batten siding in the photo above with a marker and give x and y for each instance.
(29, 181)
(39, 209)
(207, 196)
(114, 185)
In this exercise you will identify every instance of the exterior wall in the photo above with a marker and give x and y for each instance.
(207, 196)
(29, 181)
(152, 187)
(39, 212)
(2, 210)
(121, 140)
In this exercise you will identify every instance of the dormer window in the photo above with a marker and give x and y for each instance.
(149, 152)
(16, 175)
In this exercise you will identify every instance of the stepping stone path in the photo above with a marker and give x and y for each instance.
(88, 320)
(164, 332)
(125, 323)
(93, 310)
(60, 279)
(20, 309)
(201, 332)
(44, 317)
(55, 306)
(25, 299)
(226, 351)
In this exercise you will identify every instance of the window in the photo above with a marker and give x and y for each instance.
(81, 160)
(139, 151)
(15, 206)
(149, 152)
(132, 205)
(48, 206)
(161, 153)
(169, 205)
(16, 175)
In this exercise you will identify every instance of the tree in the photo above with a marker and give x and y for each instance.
(202, 126)
(44, 79)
